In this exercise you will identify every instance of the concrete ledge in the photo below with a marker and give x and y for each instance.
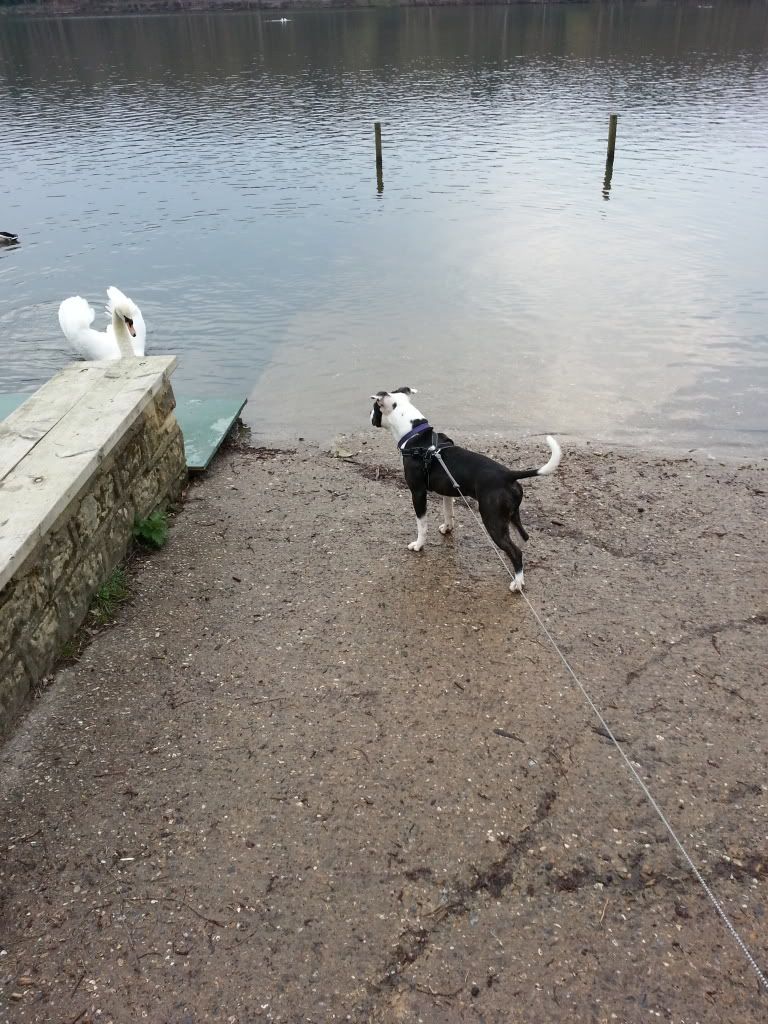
(80, 460)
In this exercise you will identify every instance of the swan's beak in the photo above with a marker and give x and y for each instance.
(129, 325)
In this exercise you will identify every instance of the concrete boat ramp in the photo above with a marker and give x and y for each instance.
(308, 775)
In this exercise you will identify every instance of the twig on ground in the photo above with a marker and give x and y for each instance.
(508, 735)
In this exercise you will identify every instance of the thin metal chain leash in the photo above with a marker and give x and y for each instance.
(649, 796)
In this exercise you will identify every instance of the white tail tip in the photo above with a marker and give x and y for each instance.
(554, 459)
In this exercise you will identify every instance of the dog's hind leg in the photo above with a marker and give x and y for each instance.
(447, 525)
(517, 524)
(420, 508)
(496, 521)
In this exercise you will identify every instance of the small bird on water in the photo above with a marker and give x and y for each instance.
(8, 238)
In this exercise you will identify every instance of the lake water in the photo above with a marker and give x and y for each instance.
(220, 169)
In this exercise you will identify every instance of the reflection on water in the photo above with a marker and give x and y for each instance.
(221, 170)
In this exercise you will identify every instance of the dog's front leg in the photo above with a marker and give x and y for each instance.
(420, 508)
(447, 525)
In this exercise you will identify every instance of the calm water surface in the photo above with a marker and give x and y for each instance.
(220, 170)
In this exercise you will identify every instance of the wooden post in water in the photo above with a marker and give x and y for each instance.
(379, 159)
(612, 137)
(610, 156)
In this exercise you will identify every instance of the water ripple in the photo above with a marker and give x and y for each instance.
(220, 169)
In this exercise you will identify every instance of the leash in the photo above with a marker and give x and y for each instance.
(648, 795)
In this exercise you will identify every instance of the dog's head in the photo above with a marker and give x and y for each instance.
(394, 409)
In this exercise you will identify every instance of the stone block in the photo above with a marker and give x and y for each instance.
(21, 603)
(94, 508)
(116, 534)
(158, 435)
(144, 495)
(57, 553)
(132, 457)
(15, 685)
(164, 404)
(173, 467)
(74, 596)
(38, 645)
(163, 481)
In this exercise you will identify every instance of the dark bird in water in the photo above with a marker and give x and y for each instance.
(7, 238)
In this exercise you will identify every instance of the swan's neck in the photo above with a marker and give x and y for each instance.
(122, 337)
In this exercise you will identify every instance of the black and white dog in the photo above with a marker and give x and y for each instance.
(493, 486)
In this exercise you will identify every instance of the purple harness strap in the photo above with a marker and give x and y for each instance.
(411, 434)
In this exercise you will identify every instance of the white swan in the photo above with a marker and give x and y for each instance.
(126, 336)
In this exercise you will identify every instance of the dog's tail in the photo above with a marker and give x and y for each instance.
(548, 468)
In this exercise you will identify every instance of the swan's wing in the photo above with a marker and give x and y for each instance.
(75, 318)
(75, 315)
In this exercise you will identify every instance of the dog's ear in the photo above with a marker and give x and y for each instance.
(405, 391)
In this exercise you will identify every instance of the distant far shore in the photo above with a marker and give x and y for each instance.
(81, 7)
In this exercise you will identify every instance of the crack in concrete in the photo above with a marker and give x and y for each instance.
(712, 630)
(497, 877)
(638, 877)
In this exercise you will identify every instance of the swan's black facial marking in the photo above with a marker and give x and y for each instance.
(129, 324)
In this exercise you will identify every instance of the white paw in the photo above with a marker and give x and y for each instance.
(445, 528)
(517, 583)
(416, 545)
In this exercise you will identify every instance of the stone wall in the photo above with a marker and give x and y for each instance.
(47, 599)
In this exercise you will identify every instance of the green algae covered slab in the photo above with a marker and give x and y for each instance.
(204, 422)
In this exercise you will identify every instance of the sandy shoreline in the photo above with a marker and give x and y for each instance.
(312, 776)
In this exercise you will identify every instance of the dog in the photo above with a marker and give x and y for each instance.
(495, 488)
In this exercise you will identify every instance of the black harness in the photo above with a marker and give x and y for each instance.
(425, 453)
